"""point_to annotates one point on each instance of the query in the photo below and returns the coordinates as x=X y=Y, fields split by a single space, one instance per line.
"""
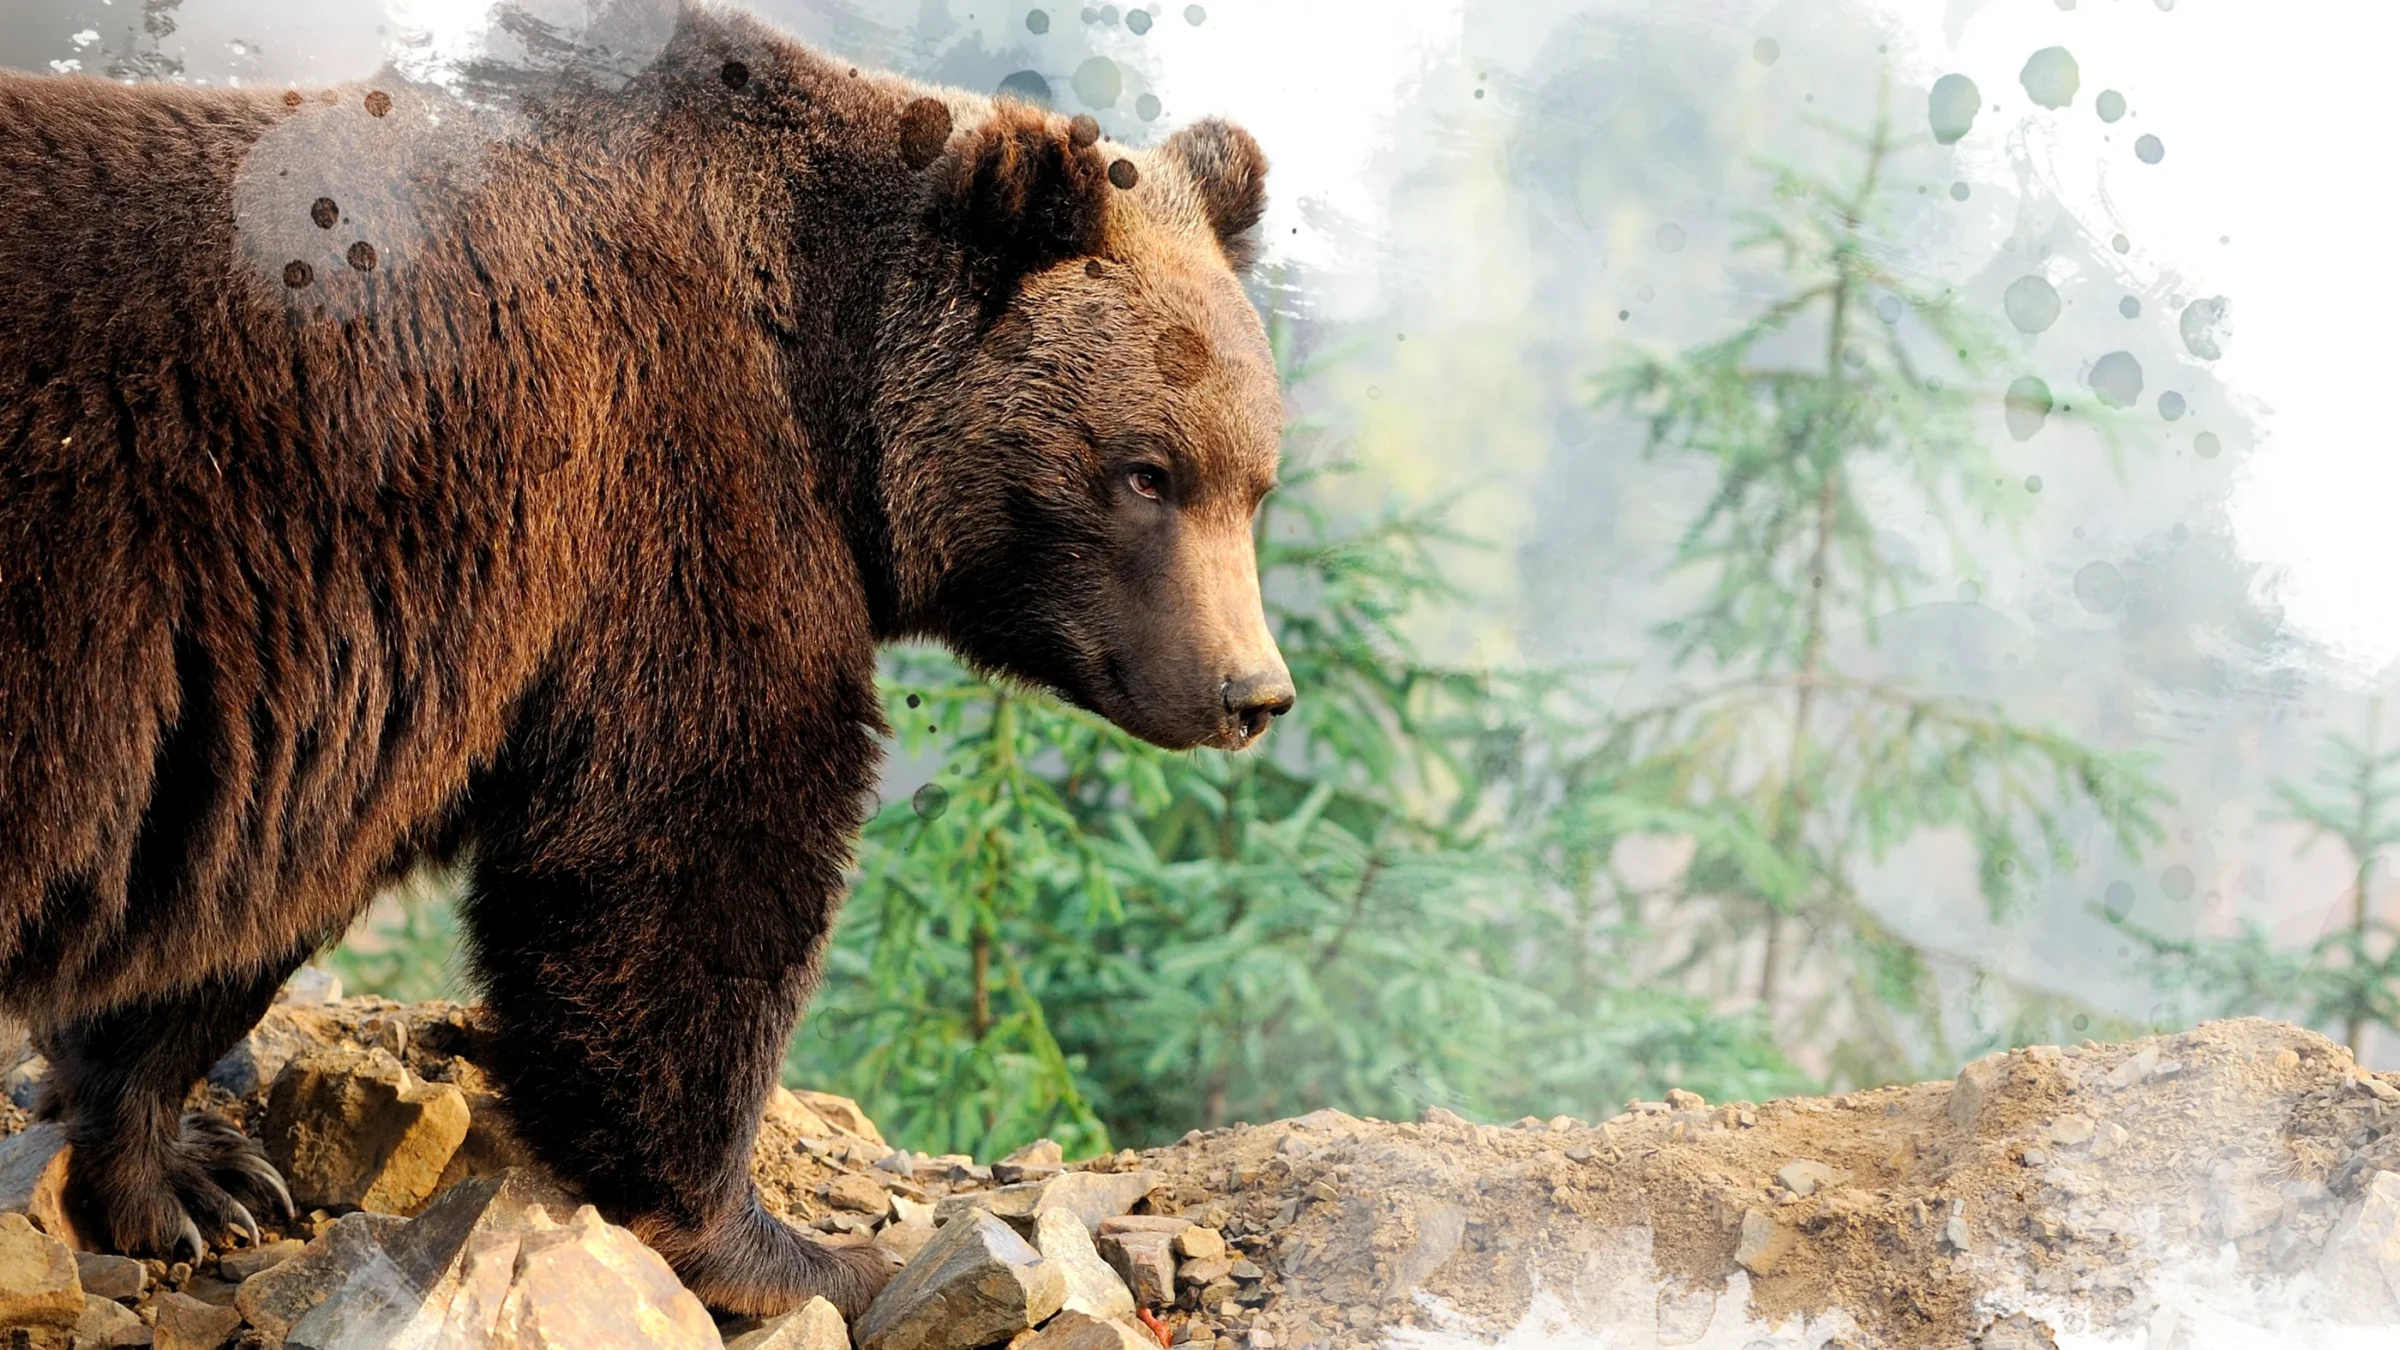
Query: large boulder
x=977 y=1282
x=354 y=1129
x=38 y=1284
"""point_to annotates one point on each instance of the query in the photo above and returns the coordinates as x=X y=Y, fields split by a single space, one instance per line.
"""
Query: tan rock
x=111 y=1276
x=1169 y=1224
x=814 y=1325
x=260 y=1056
x=1199 y=1244
x=1763 y=1243
x=356 y=1129
x=1804 y=1176
x=405 y=1290
x=186 y=1323
x=107 y=1324
x=786 y=1111
x=1037 y=1161
x=272 y=1300
x=1076 y=1331
x=1012 y=1204
x=843 y=1115
x=589 y=1283
x=858 y=1195
x=1204 y=1271
x=1145 y=1262
x=1975 y=1085
x=1097 y=1196
x=2361 y=1264
x=38 y=1284
x=1092 y=1288
x=911 y=1228
x=33 y=1180
x=241 y=1265
x=977 y=1282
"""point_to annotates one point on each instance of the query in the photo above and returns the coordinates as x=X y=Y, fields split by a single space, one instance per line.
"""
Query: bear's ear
x=1020 y=193
x=1230 y=172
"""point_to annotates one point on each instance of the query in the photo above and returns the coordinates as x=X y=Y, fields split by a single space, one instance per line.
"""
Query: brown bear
x=528 y=483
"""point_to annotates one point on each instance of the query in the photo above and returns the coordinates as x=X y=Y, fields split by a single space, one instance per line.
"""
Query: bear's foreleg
x=158 y=1180
x=641 y=1022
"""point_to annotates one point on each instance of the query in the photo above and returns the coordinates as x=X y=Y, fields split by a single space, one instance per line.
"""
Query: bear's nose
x=1257 y=699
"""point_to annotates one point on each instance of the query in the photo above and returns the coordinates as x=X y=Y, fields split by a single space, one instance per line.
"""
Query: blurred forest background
x=1755 y=558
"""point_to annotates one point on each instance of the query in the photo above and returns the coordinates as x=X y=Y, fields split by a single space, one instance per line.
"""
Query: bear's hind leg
x=159 y=1180
x=636 y=1067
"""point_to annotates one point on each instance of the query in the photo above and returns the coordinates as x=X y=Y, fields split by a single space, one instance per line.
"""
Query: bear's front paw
x=756 y=1265
x=205 y=1185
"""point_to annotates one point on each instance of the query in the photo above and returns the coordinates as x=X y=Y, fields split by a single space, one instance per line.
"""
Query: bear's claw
x=199 y=1188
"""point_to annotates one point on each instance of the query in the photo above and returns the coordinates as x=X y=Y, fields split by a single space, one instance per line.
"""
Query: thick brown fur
x=380 y=482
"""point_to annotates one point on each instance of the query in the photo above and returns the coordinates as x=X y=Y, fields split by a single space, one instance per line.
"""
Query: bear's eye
x=1148 y=482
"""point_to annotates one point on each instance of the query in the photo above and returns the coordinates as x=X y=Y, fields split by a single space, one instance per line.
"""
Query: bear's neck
x=827 y=223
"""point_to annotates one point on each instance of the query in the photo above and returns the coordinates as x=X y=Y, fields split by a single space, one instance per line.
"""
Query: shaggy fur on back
x=381 y=482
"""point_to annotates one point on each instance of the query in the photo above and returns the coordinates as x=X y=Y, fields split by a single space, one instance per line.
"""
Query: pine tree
x=1848 y=400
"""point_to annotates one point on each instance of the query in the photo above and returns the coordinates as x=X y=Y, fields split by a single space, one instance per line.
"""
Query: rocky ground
x=2238 y=1184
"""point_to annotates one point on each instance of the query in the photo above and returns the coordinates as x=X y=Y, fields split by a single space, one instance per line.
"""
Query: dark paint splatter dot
x=2033 y=482
x=1182 y=355
x=1027 y=86
x=2050 y=77
x=362 y=256
x=1138 y=20
x=924 y=130
x=930 y=801
x=1624 y=314
x=1950 y=108
x=1959 y=192
x=734 y=74
x=916 y=700
x=2170 y=405
x=2032 y=304
x=2026 y=406
x=297 y=274
x=2202 y=325
x=1083 y=131
x=2130 y=307
x=378 y=103
x=1123 y=174
x=1036 y=21
x=2101 y=588
x=2117 y=379
x=291 y=98
x=324 y=212
x=1098 y=82
x=2149 y=149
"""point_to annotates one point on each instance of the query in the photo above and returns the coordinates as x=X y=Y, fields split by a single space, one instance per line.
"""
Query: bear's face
x=1108 y=439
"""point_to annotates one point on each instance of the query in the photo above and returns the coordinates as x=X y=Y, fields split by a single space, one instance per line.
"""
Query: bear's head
x=1074 y=470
